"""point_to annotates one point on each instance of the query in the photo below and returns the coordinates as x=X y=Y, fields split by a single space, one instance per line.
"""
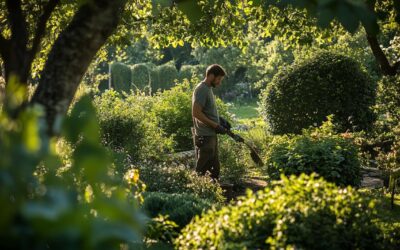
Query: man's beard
x=213 y=84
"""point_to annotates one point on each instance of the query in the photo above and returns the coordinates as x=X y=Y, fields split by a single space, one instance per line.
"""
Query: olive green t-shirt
x=204 y=96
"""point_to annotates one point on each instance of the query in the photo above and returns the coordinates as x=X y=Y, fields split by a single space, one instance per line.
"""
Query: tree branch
x=4 y=46
x=380 y=56
x=17 y=22
x=41 y=26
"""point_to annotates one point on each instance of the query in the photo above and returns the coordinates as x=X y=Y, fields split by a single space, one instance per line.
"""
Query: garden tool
x=253 y=153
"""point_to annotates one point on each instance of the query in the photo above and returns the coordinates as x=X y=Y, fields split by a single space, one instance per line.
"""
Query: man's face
x=216 y=81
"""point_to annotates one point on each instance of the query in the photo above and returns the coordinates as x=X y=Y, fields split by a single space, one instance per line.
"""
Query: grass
x=245 y=110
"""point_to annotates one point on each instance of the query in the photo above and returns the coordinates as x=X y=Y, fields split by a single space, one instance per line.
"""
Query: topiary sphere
x=304 y=94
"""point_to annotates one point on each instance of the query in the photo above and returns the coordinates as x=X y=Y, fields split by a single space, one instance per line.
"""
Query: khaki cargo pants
x=207 y=155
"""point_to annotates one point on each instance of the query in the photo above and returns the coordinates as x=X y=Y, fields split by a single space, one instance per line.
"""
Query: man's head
x=215 y=74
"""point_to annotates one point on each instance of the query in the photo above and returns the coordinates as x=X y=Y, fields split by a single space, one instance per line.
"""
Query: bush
x=127 y=125
x=140 y=77
x=179 y=179
x=234 y=159
x=331 y=156
x=192 y=71
x=180 y=208
x=120 y=77
x=296 y=213
x=173 y=110
x=86 y=207
x=305 y=93
x=163 y=77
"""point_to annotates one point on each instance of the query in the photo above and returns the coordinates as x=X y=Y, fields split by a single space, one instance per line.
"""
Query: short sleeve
x=200 y=96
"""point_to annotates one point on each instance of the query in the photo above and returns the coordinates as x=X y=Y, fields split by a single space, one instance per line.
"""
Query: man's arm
x=197 y=112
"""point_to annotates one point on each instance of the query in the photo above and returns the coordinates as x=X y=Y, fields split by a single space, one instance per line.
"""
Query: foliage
x=141 y=77
x=173 y=109
x=297 y=212
x=162 y=229
x=327 y=84
x=388 y=99
x=127 y=125
x=316 y=151
x=234 y=159
x=192 y=71
x=180 y=208
x=87 y=207
x=121 y=77
x=164 y=77
x=179 y=179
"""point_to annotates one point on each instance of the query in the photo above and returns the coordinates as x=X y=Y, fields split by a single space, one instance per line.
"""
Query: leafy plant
x=84 y=207
x=180 y=208
x=297 y=212
x=315 y=151
x=179 y=179
x=121 y=77
x=327 y=84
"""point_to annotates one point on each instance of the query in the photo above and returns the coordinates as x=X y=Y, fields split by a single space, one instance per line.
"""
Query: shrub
x=140 y=77
x=331 y=156
x=179 y=179
x=163 y=77
x=173 y=110
x=127 y=125
x=84 y=208
x=305 y=93
x=234 y=159
x=180 y=208
x=296 y=213
x=121 y=77
x=192 y=71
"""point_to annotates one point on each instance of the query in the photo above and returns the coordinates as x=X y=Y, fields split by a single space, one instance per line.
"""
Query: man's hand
x=220 y=130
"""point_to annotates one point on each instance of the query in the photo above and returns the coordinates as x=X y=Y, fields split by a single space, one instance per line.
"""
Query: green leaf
x=191 y=9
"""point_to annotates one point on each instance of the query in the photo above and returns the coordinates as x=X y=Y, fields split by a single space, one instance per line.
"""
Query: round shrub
x=120 y=77
x=140 y=76
x=332 y=157
x=180 y=208
x=296 y=213
x=179 y=179
x=305 y=93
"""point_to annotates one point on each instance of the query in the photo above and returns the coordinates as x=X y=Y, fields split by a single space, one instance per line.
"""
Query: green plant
x=179 y=179
x=86 y=206
x=173 y=110
x=127 y=125
x=164 y=77
x=180 y=208
x=295 y=213
x=316 y=151
x=140 y=77
x=234 y=159
x=161 y=228
x=305 y=93
x=121 y=77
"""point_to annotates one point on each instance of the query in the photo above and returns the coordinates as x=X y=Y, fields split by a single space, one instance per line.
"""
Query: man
x=206 y=122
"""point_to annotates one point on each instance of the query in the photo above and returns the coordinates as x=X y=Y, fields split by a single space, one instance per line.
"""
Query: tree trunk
x=72 y=53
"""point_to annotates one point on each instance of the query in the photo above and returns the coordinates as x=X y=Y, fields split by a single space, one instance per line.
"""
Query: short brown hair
x=216 y=70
